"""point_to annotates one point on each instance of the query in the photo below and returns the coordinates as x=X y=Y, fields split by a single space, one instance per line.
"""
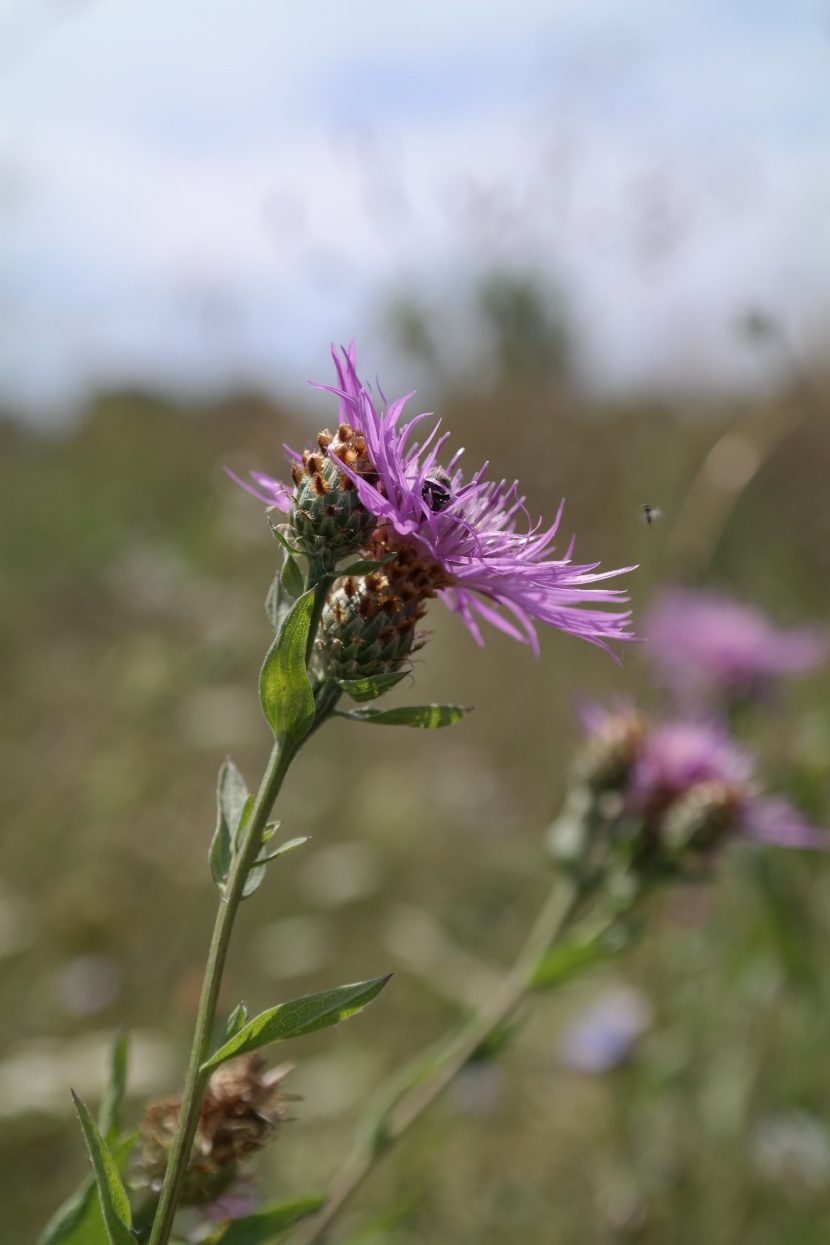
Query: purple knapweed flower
x=707 y=644
x=694 y=768
x=474 y=539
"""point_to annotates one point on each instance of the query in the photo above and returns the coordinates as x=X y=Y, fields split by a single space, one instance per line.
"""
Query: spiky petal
x=497 y=564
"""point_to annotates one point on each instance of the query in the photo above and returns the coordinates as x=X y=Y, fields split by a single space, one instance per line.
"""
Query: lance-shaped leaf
x=282 y=850
x=274 y=515
x=372 y=687
x=299 y=1016
x=236 y=1021
x=109 y=1117
x=231 y=800
x=257 y=871
x=427 y=716
x=112 y=1195
x=277 y=604
x=291 y=578
x=263 y=1226
x=364 y=566
x=284 y=689
x=572 y=959
x=78 y=1221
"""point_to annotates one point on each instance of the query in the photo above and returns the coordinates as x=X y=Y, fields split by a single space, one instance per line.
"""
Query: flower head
x=707 y=644
x=688 y=785
x=473 y=540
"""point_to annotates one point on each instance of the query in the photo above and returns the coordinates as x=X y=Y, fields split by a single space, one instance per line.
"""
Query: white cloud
x=211 y=190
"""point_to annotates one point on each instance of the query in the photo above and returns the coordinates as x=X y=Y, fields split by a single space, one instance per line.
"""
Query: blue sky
x=197 y=193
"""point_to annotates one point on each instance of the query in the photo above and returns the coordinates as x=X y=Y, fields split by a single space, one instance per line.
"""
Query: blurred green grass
x=133 y=574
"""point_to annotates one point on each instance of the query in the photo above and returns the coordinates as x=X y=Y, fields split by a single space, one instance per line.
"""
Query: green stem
x=432 y=1075
x=196 y=1082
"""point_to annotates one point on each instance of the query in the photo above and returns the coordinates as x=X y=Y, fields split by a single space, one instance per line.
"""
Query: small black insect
x=436 y=490
x=650 y=513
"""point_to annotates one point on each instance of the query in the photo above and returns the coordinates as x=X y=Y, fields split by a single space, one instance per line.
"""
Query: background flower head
x=707 y=644
x=684 y=782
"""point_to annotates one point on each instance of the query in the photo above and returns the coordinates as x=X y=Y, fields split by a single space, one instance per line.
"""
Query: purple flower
x=605 y=1034
x=693 y=760
x=238 y=1200
x=482 y=555
x=706 y=644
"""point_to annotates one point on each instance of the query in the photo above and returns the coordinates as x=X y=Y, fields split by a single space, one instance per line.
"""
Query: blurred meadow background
x=597 y=239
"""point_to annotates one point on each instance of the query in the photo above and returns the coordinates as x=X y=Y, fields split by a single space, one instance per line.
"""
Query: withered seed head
x=243 y=1107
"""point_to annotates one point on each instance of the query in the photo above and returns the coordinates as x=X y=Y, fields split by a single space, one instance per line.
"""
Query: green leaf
x=264 y=1225
x=257 y=871
x=276 y=533
x=277 y=604
x=284 y=689
x=372 y=687
x=79 y=1220
x=282 y=849
x=299 y=1016
x=236 y=1021
x=572 y=959
x=231 y=802
x=364 y=567
x=109 y=1116
x=292 y=578
x=255 y=878
x=112 y=1195
x=428 y=716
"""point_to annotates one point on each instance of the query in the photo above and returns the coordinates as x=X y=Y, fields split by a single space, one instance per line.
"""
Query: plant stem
x=435 y=1073
x=281 y=756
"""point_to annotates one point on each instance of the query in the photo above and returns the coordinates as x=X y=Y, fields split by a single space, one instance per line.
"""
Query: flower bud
x=607 y=754
x=701 y=818
x=326 y=517
x=369 y=621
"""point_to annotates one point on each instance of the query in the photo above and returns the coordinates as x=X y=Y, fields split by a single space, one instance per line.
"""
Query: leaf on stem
x=109 y=1121
x=291 y=578
x=572 y=959
x=426 y=716
x=236 y=1021
x=112 y=1195
x=288 y=846
x=284 y=689
x=231 y=801
x=364 y=566
x=79 y=1220
x=298 y=1017
x=372 y=687
x=256 y=874
x=264 y=1225
x=277 y=604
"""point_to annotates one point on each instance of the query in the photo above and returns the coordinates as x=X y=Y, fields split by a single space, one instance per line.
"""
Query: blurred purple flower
x=604 y=1036
x=679 y=758
x=465 y=533
x=677 y=755
x=704 y=644
x=238 y=1200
